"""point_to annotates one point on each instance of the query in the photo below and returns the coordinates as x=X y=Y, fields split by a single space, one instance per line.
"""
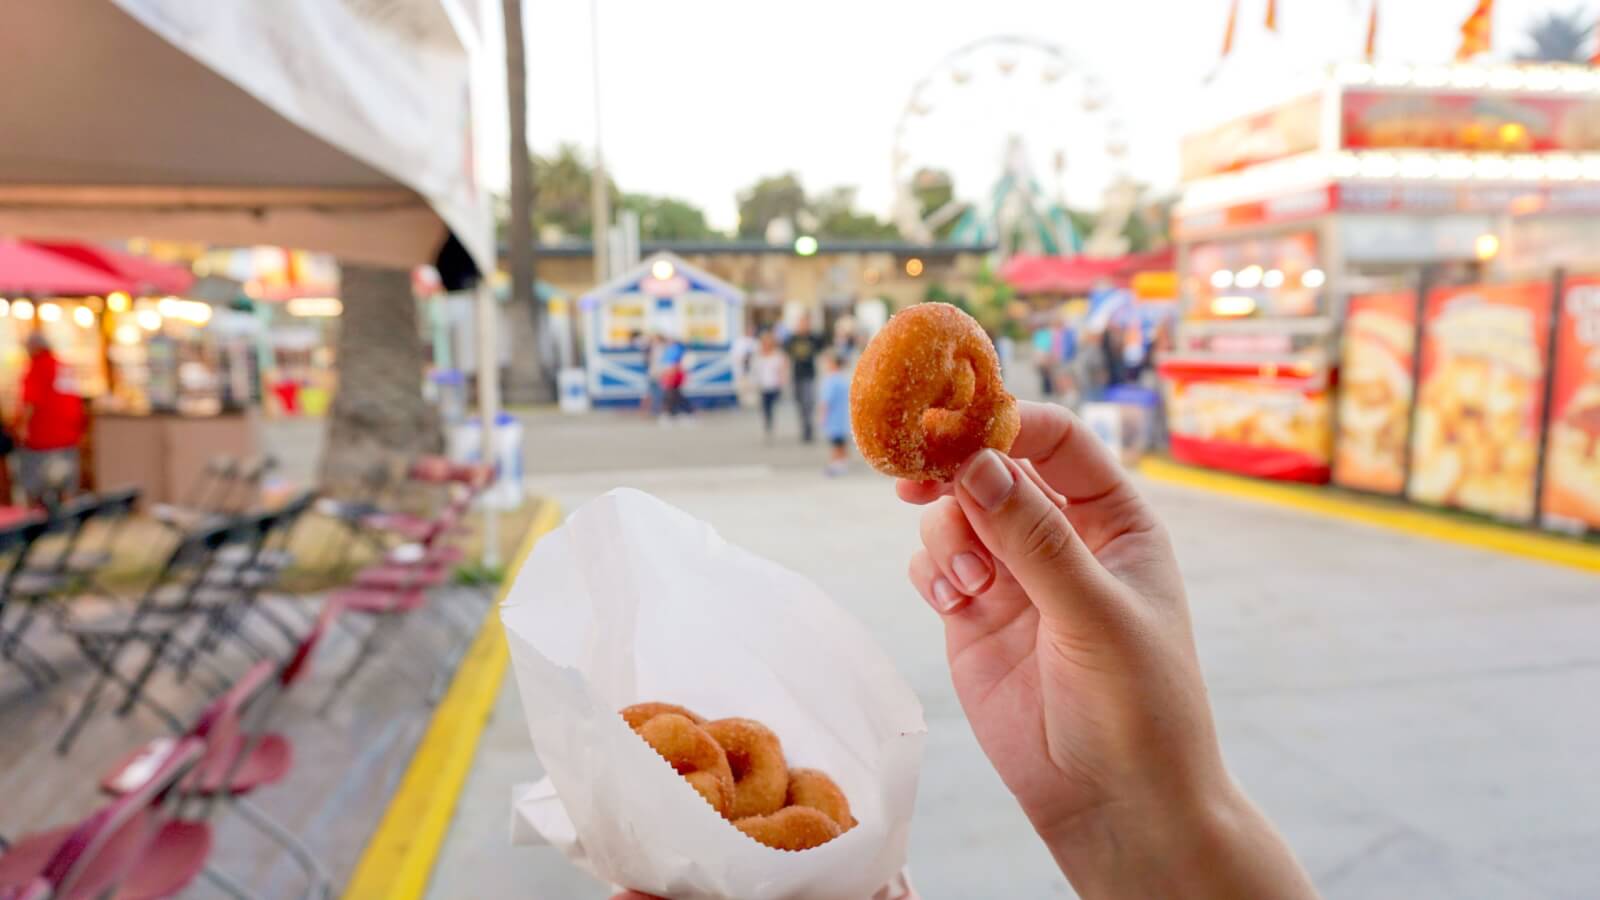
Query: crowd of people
x=798 y=359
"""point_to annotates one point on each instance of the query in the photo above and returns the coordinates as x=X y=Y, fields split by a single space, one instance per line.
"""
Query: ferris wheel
x=1025 y=131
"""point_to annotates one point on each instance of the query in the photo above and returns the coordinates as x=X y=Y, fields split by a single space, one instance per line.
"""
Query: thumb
x=1027 y=531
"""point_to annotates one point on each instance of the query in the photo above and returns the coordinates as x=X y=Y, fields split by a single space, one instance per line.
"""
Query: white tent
x=342 y=127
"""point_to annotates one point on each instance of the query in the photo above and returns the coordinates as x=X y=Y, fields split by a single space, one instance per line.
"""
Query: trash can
x=450 y=392
x=465 y=444
x=572 y=386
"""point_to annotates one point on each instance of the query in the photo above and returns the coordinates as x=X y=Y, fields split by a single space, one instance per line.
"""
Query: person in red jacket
x=49 y=427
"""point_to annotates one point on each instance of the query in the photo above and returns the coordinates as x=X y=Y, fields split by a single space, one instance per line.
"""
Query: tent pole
x=488 y=406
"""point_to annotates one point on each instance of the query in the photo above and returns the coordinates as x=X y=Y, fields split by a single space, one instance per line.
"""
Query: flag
x=1475 y=32
x=1233 y=21
x=1372 y=32
x=1272 y=15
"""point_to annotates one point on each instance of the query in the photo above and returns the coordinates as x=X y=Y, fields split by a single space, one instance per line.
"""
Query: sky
x=700 y=98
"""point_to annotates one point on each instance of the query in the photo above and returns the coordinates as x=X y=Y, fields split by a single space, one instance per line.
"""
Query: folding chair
x=175 y=597
x=17 y=538
x=201 y=502
x=242 y=756
x=112 y=513
x=387 y=593
x=131 y=848
x=41 y=576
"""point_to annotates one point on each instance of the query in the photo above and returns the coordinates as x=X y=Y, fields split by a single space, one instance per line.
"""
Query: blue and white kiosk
x=662 y=295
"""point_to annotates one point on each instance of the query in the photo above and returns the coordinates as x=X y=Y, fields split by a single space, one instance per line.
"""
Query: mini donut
x=790 y=828
x=640 y=713
x=814 y=789
x=927 y=394
x=760 y=775
x=694 y=754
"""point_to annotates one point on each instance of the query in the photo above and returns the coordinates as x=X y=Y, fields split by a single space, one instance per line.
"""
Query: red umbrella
x=142 y=274
x=26 y=269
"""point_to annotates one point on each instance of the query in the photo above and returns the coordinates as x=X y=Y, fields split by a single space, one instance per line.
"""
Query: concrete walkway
x=1416 y=716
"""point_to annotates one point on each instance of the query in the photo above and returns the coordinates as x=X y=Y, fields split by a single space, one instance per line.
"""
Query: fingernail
x=945 y=597
x=988 y=480
x=971 y=570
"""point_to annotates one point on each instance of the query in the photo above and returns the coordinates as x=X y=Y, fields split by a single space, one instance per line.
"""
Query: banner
x=1375 y=390
x=1479 y=403
x=1292 y=128
x=386 y=81
x=1572 y=449
x=1239 y=419
x=1468 y=122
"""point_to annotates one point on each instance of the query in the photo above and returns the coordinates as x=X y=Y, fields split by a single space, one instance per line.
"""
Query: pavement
x=1416 y=716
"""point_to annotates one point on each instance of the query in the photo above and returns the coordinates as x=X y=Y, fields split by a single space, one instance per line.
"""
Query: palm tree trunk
x=379 y=412
x=528 y=372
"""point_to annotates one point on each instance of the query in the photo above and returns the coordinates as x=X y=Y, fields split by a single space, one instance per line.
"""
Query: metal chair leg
x=368 y=647
x=321 y=883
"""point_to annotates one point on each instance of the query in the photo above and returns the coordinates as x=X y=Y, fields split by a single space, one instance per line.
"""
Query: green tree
x=1560 y=37
x=668 y=218
x=769 y=199
x=562 y=199
x=838 y=219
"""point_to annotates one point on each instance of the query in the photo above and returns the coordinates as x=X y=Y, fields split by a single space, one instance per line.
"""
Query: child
x=835 y=413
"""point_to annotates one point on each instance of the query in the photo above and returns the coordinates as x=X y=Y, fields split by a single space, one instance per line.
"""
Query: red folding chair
x=131 y=849
x=241 y=756
x=37 y=889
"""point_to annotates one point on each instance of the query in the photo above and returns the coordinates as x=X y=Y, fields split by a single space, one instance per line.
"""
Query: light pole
x=599 y=199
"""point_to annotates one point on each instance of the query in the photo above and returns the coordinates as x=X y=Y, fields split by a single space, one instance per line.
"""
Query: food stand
x=664 y=296
x=1299 y=225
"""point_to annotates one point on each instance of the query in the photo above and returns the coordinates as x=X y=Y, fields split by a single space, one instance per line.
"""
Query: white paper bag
x=633 y=600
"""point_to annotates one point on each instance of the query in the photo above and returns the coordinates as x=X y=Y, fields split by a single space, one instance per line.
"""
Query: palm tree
x=379 y=412
x=1560 y=37
x=527 y=373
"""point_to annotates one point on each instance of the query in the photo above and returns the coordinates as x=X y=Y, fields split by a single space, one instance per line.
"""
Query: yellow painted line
x=399 y=857
x=1382 y=514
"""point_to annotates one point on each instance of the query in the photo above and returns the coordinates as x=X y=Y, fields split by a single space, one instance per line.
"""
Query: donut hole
x=945 y=415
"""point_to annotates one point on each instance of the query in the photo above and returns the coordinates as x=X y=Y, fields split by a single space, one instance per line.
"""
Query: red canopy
x=141 y=275
x=1078 y=274
x=1057 y=274
x=28 y=269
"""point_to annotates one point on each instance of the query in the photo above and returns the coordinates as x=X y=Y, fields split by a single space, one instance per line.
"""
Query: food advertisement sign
x=1286 y=130
x=1375 y=389
x=1269 y=427
x=1479 y=403
x=1572 y=449
x=1469 y=122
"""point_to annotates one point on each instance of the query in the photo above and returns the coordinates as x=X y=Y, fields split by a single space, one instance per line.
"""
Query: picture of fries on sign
x=1476 y=443
x=1572 y=454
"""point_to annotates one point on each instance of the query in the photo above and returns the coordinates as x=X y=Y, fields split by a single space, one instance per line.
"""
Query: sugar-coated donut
x=809 y=787
x=927 y=393
x=694 y=754
x=760 y=775
x=790 y=828
x=640 y=713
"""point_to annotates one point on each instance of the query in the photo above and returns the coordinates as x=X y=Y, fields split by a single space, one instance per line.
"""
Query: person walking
x=654 y=401
x=771 y=371
x=835 y=414
x=803 y=346
x=742 y=352
x=49 y=426
x=674 y=373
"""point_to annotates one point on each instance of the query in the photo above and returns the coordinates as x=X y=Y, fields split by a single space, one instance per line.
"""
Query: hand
x=1071 y=649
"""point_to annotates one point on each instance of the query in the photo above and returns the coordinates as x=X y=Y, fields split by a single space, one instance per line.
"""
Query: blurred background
x=313 y=316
